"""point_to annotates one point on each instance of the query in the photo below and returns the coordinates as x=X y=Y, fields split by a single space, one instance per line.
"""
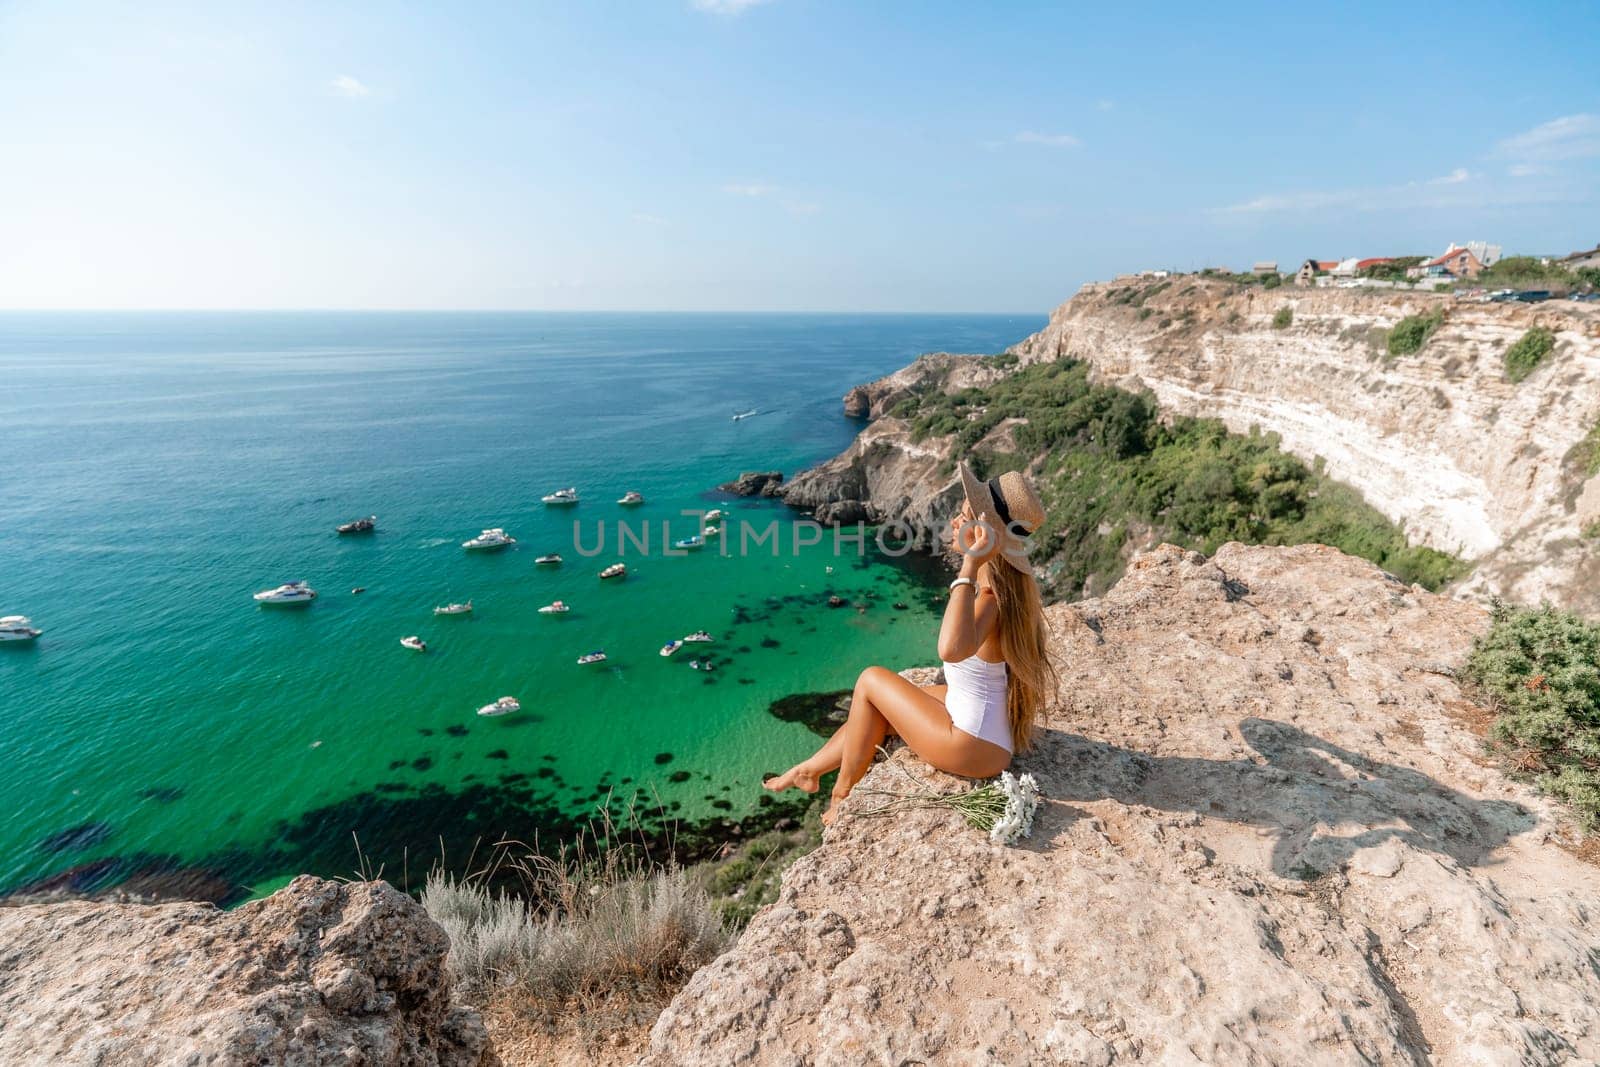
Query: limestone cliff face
x=1269 y=838
x=1439 y=441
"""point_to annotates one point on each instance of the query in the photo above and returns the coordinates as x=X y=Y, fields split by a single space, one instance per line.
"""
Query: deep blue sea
x=162 y=467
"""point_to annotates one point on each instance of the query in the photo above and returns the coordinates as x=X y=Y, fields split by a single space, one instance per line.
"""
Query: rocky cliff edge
x=1270 y=838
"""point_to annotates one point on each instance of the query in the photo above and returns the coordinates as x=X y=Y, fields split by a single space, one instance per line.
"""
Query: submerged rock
x=319 y=972
x=754 y=483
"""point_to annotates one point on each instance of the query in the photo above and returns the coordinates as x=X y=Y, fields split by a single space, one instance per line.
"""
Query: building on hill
x=1307 y=274
x=1265 y=266
x=1345 y=268
x=1455 y=263
x=1590 y=258
x=1373 y=262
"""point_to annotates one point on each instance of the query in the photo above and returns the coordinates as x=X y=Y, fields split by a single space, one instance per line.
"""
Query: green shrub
x=1539 y=669
x=1586 y=452
x=1111 y=465
x=1412 y=332
x=1392 y=271
x=1283 y=318
x=1528 y=353
x=1271 y=281
x=1524 y=272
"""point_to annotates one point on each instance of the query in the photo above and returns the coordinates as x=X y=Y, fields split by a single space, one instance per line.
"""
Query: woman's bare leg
x=806 y=775
x=884 y=702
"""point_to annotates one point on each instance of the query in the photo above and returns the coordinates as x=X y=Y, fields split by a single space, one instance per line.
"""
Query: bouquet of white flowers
x=1004 y=809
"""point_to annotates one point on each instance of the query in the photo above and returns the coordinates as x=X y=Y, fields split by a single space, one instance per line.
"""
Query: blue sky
x=786 y=154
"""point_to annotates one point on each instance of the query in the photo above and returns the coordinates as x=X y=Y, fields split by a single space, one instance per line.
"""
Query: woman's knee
x=872 y=677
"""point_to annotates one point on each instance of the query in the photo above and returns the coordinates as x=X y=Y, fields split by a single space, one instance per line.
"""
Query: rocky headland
x=1270 y=838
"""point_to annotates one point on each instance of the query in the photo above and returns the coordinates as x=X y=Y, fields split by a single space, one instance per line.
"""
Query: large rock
x=755 y=483
x=319 y=972
x=1269 y=838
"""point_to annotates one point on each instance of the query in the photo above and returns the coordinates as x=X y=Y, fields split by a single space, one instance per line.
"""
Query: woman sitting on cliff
x=993 y=644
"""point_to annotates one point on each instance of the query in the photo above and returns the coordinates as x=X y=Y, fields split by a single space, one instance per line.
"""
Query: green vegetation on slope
x=1113 y=469
x=1392 y=271
x=1412 y=332
x=1525 y=272
x=1539 y=669
x=1528 y=353
x=1283 y=319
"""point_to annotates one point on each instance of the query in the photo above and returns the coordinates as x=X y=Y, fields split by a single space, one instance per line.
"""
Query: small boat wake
x=752 y=413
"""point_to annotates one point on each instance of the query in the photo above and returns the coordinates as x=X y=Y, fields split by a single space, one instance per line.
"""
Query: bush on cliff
x=1524 y=272
x=1283 y=319
x=1539 y=670
x=1112 y=469
x=1525 y=356
x=1412 y=332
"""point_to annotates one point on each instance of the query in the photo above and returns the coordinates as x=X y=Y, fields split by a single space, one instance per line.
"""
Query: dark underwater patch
x=76 y=838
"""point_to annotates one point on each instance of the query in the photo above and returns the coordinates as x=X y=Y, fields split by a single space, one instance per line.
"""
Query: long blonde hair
x=1025 y=643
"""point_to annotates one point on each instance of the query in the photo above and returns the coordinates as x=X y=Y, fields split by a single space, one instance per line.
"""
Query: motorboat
x=552 y=560
x=630 y=498
x=18 y=628
x=366 y=525
x=694 y=664
x=597 y=656
x=702 y=664
x=287 y=593
x=414 y=643
x=616 y=570
x=712 y=531
x=556 y=607
x=746 y=414
x=503 y=706
x=358 y=590
x=699 y=635
x=670 y=647
x=690 y=542
x=561 y=497
x=454 y=609
x=494 y=537
x=714 y=515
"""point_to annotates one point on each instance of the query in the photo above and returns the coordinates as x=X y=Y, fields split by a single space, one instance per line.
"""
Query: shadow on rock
x=1322 y=802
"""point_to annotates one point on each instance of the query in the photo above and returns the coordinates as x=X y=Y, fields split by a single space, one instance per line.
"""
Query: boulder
x=754 y=483
x=319 y=972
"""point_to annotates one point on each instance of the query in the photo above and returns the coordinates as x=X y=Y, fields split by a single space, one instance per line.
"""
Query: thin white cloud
x=749 y=189
x=353 y=88
x=1054 y=140
x=1105 y=105
x=801 y=207
x=1524 y=170
x=1429 y=193
x=1568 y=137
x=648 y=219
x=724 y=7
x=1455 y=177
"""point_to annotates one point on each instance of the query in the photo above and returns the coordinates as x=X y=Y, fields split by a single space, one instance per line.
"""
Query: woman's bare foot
x=833 y=809
x=796 y=777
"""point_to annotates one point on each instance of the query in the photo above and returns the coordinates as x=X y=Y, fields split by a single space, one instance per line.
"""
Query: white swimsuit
x=976 y=700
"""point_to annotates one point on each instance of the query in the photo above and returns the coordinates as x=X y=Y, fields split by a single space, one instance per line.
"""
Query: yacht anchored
x=414 y=643
x=690 y=542
x=561 y=497
x=714 y=515
x=17 y=628
x=489 y=539
x=366 y=525
x=699 y=635
x=597 y=656
x=552 y=560
x=630 y=498
x=712 y=531
x=616 y=570
x=670 y=647
x=503 y=706
x=556 y=607
x=287 y=593
x=454 y=609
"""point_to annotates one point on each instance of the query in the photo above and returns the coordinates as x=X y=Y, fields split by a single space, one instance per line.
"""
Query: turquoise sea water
x=162 y=467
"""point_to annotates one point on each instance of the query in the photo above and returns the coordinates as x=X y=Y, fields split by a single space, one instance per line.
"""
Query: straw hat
x=1010 y=507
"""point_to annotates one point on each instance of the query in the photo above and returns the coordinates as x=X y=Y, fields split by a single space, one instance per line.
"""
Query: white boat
x=18 y=628
x=746 y=414
x=597 y=656
x=287 y=593
x=556 y=607
x=714 y=515
x=616 y=570
x=561 y=497
x=454 y=609
x=630 y=498
x=670 y=647
x=552 y=560
x=494 y=537
x=414 y=643
x=712 y=531
x=699 y=635
x=690 y=542
x=503 y=706
x=366 y=525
